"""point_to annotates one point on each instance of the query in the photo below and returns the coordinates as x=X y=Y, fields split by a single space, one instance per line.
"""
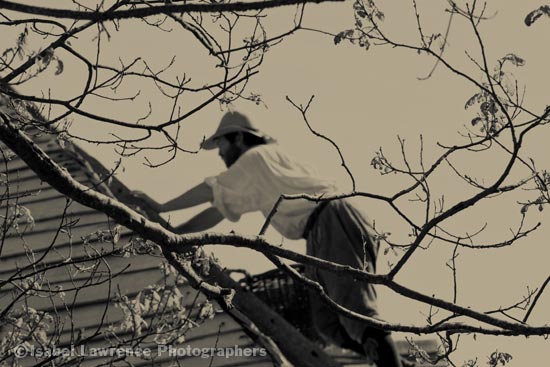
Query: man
x=258 y=173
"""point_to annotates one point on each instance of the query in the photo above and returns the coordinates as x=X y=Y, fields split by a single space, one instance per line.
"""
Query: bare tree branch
x=140 y=12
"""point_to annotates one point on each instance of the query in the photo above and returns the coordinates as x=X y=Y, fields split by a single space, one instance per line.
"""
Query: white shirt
x=258 y=178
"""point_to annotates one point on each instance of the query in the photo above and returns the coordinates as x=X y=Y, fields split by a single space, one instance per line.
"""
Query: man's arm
x=200 y=194
x=206 y=219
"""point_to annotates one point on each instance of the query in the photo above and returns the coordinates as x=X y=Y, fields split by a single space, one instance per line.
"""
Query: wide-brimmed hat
x=233 y=122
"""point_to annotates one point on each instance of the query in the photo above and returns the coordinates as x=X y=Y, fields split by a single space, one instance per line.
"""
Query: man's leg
x=379 y=347
x=344 y=235
x=324 y=321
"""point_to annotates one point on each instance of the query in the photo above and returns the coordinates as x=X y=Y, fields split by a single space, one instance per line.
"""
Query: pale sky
x=364 y=99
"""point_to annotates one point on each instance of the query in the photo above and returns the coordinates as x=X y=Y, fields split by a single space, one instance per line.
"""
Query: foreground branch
x=100 y=16
x=58 y=178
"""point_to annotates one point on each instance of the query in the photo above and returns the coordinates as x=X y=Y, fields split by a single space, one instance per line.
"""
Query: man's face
x=228 y=151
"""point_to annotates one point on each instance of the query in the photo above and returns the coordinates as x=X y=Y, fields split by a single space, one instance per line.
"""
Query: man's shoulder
x=263 y=151
x=262 y=156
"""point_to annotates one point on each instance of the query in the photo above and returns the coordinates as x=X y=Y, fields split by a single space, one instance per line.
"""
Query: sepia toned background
x=364 y=100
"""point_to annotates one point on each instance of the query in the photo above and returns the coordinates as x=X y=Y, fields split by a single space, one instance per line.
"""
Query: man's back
x=256 y=181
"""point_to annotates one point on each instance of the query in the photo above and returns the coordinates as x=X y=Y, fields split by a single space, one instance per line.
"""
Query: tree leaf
x=338 y=38
x=476 y=121
x=59 y=67
x=533 y=16
x=476 y=98
x=514 y=59
x=343 y=35
x=22 y=38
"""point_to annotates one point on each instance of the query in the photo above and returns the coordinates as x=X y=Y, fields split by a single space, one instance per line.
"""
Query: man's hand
x=144 y=199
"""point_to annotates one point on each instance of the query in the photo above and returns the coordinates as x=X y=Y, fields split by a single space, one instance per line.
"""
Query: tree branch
x=170 y=242
x=101 y=16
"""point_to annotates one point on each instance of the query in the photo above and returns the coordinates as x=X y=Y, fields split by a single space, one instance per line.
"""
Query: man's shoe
x=408 y=363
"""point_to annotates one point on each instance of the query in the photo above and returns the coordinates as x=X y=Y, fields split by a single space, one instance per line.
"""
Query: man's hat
x=234 y=122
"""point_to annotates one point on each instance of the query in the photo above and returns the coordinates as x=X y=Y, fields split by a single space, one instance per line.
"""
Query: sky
x=363 y=100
